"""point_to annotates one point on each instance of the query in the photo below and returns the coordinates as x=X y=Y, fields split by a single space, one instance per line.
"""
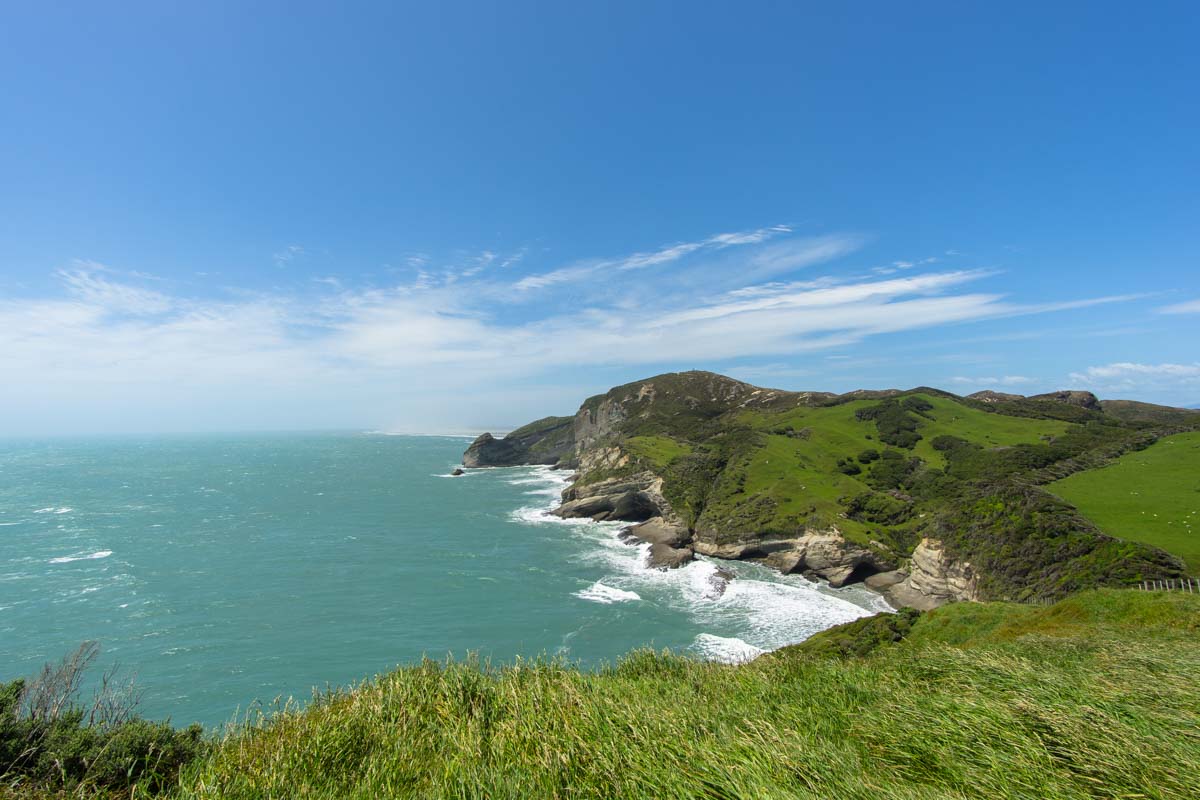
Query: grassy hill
x=1150 y=496
x=1092 y=697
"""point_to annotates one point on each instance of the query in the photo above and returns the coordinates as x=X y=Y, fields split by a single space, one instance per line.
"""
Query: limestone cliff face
x=934 y=579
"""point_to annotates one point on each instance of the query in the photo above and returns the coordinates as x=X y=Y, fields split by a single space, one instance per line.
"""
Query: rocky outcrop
x=882 y=581
x=818 y=554
x=670 y=543
x=636 y=498
x=1071 y=397
x=933 y=579
x=988 y=396
x=659 y=531
x=663 y=556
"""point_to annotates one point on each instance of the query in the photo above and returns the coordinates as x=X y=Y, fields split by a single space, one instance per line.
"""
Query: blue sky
x=455 y=216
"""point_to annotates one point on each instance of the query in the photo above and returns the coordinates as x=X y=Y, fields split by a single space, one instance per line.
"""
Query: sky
x=433 y=217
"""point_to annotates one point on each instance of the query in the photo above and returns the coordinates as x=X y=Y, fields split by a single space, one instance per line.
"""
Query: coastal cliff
x=878 y=487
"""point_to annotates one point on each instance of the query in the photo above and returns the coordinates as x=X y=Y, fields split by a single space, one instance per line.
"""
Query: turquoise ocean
x=228 y=571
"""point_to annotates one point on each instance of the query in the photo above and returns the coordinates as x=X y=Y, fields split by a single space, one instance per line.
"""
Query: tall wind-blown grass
x=1097 y=696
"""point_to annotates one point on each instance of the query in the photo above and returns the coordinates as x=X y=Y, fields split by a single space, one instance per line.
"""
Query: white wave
x=68 y=559
x=758 y=610
x=726 y=649
x=541 y=515
x=7 y=524
x=602 y=593
x=54 y=510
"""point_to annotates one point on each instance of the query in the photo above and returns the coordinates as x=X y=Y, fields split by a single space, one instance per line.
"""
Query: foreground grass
x=1093 y=697
x=1151 y=496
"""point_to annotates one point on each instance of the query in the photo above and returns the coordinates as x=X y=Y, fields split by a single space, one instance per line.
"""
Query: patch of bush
x=879 y=508
x=947 y=443
x=847 y=466
x=897 y=420
x=1027 y=544
x=893 y=470
x=50 y=742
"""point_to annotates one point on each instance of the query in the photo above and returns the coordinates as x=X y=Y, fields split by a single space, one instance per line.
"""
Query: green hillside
x=780 y=466
x=808 y=460
x=1150 y=496
x=887 y=469
x=1093 y=697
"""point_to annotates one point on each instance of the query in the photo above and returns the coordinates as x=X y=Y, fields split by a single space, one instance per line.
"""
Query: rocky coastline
x=929 y=578
x=699 y=464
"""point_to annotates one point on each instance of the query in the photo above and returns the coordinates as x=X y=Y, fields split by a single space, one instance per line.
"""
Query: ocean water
x=233 y=570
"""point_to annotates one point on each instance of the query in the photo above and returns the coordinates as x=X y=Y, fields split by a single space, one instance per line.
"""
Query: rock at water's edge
x=657 y=530
x=664 y=556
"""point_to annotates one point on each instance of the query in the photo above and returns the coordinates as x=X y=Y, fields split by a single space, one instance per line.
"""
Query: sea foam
x=762 y=609
x=726 y=649
x=602 y=593
x=68 y=559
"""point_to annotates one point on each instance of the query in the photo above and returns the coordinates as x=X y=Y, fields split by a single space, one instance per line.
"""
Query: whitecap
x=725 y=649
x=54 y=510
x=602 y=593
x=68 y=559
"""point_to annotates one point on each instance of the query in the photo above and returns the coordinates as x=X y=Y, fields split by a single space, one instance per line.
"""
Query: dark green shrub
x=49 y=742
x=879 y=508
x=892 y=471
x=896 y=420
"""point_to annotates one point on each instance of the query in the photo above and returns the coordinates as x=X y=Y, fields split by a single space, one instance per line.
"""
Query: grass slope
x=1151 y=496
x=1092 y=697
x=795 y=461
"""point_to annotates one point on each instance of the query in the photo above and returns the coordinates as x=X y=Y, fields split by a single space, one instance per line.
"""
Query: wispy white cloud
x=1166 y=382
x=820 y=249
x=425 y=331
x=1126 y=369
x=86 y=282
x=1188 y=307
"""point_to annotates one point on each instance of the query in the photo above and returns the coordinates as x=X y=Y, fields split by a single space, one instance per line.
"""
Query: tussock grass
x=1095 y=697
